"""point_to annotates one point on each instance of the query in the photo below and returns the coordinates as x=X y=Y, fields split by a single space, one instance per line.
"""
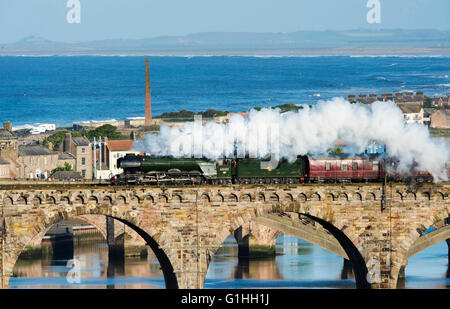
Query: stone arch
x=358 y=263
x=44 y=223
x=410 y=196
x=315 y=196
x=107 y=200
x=261 y=197
x=93 y=199
x=398 y=195
x=428 y=240
x=65 y=200
x=370 y=196
x=424 y=196
x=37 y=200
x=122 y=199
x=288 y=197
x=205 y=198
x=8 y=201
x=163 y=199
x=219 y=198
x=245 y=198
x=79 y=200
x=439 y=196
x=176 y=198
x=22 y=200
x=343 y=196
x=149 y=198
x=302 y=197
x=233 y=198
x=135 y=199
x=357 y=196
x=274 y=197
x=51 y=200
x=329 y=197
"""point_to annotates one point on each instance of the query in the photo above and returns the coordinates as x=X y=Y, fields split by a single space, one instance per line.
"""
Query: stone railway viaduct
x=376 y=227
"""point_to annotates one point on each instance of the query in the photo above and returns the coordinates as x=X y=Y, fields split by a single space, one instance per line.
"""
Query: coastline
x=263 y=53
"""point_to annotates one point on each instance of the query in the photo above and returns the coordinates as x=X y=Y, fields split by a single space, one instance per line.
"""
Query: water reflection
x=298 y=264
x=96 y=270
x=429 y=268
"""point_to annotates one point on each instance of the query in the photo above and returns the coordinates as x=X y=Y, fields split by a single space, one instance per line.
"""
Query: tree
x=57 y=138
x=336 y=150
x=66 y=168
x=428 y=103
x=107 y=130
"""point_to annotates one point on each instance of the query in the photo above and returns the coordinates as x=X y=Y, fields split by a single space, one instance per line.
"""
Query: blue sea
x=63 y=90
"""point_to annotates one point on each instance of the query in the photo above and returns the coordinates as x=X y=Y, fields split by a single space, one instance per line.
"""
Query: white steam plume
x=310 y=130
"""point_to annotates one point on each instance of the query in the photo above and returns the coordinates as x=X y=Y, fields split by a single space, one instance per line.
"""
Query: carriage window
x=344 y=166
x=327 y=166
x=375 y=165
x=355 y=165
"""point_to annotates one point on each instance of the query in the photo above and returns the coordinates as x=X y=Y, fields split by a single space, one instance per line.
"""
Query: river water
x=298 y=264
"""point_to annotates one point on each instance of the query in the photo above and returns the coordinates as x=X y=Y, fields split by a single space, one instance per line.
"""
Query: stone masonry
x=185 y=226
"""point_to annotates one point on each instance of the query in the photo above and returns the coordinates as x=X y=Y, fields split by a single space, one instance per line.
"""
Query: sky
x=136 y=19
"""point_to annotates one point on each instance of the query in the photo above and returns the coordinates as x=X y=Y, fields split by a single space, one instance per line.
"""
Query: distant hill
x=362 y=40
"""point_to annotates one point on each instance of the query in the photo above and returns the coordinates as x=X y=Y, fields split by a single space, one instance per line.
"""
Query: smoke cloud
x=311 y=130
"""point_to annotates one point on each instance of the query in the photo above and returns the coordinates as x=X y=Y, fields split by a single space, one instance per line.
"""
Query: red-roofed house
x=112 y=151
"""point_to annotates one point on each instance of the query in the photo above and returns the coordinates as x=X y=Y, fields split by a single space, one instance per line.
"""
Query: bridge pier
x=255 y=241
x=448 y=246
x=347 y=270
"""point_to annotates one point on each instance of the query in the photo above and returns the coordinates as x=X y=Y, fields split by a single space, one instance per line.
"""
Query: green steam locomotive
x=173 y=171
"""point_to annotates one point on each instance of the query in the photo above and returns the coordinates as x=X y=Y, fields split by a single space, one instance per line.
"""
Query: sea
x=66 y=89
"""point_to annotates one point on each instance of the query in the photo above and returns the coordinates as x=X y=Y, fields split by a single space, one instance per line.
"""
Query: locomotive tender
x=331 y=168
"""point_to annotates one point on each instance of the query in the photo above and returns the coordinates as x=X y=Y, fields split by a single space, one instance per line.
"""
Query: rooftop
x=5 y=134
x=63 y=175
x=34 y=150
x=410 y=109
x=120 y=145
x=80 y=141
x=65 y=156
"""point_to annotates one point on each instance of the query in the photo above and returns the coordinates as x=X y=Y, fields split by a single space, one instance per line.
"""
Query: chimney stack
x=68 y=143
x=7 y=126
x=148 y=101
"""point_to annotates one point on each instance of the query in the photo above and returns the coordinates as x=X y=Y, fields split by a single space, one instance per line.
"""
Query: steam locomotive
x=139 y=169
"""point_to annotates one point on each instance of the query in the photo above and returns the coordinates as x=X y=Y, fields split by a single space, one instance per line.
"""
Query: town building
x=9 y=148
x=399 y=98
x=80 y=148
x=111 y=151
x=37 y=161
x=442 y=102
x=4 y=169
x=412 y=114
x=65 y=157
x=440 y=119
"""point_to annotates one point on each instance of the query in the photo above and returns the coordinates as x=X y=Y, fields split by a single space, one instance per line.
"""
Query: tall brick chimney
x=67 y=147
x=148 y=101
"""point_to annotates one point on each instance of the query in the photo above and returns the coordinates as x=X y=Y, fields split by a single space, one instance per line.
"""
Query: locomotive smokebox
x=129 y=161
